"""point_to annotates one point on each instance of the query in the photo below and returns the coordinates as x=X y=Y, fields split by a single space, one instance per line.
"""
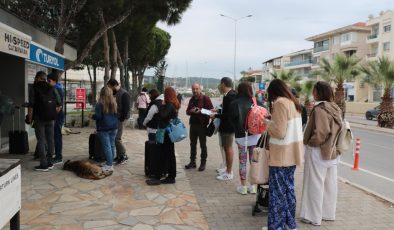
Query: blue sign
x=46 y=57
x=261 y=85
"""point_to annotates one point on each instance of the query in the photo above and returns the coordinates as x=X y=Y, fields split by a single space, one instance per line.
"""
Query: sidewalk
x=60 y=200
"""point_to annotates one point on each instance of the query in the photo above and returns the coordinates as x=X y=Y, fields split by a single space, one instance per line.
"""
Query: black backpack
x=46 y=104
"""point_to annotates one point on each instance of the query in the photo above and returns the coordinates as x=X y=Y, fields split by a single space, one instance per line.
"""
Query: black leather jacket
x=239 y=110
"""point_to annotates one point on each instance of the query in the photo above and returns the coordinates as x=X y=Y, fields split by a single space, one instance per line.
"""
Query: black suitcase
x=261 y=204
x=154 y=161
x=18 y=139
x=96 y=151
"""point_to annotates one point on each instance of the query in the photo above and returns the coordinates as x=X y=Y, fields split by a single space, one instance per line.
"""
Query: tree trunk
x=134 y=84
x=126 y=65
x=340 y=98
x=106 y=57
x=94 y=88
x=121 y=69
x=91 y=85
x=96 y=37
x=114 y=54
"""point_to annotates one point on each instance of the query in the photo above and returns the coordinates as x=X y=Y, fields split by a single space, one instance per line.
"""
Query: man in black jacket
x=124 y=104
x=226 y=128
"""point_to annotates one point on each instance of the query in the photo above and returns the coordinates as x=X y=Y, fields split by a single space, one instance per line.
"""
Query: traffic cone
x=357 y=155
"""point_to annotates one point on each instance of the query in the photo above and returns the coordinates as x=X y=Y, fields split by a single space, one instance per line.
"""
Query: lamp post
x=235 y=20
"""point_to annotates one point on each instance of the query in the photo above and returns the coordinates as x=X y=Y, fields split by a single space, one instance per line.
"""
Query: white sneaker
x=107 y=168
x=221 y=170
x=242 y=190
x=225 y=176
x=252 y=189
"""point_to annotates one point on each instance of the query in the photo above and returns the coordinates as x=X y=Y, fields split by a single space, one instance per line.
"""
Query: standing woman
x=246 y=142
x=319 y=195
x=106 y=125
x=167 y=111
x=151 y=121
x=286 y=149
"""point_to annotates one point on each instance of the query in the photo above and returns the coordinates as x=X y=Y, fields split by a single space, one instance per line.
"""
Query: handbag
x=176 y=130
x=160 y=135
x=213 y=127
x=259 y=169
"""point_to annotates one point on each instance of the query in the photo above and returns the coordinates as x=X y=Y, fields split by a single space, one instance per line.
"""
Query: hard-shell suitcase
x=152 y=161
x=96 y=151
x=18 y=139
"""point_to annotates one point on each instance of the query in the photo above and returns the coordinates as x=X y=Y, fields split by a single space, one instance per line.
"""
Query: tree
x=160 y=72
x=93 y=61
x=381 y=73
x=288 y=76
x=343 y=68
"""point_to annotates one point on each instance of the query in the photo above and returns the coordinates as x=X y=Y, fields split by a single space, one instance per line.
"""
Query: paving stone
x=149 y=211
x=131 y=221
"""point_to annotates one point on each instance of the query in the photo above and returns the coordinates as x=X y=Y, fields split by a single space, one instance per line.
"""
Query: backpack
x=345 y=138
x=46 y=101
x=254 y=123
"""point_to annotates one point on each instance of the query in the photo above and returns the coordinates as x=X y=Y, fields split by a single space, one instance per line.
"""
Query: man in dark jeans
x=42 y=110
x=198 y=123
x=124 y=103
x=53 y=80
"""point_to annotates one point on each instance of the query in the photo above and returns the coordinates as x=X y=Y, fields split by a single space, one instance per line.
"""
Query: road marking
x=367 y=171
x=381 y=146
x=363 y=129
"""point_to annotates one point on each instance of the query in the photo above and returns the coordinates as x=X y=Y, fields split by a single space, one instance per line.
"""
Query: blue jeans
x=44 y=135
x=107 y=139
x=58 y=135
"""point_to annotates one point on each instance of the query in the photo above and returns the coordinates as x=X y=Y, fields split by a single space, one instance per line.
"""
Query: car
x=372 y=113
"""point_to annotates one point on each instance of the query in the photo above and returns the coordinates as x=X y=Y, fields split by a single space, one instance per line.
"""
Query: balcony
x=299 y=62
x=320 y=49
x=371 y=55
x=372 y=36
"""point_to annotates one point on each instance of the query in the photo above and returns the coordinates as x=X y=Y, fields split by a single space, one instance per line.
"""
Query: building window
x=346 y=37
x=335 y=40
x=386 y=46
x=387 y=28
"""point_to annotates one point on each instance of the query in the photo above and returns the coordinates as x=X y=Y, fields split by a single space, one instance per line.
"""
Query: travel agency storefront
x=20 y=60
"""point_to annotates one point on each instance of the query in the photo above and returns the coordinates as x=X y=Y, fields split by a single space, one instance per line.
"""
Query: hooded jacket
x=323 y=128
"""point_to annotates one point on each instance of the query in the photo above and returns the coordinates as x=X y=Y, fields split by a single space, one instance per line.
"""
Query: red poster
x=80 y=96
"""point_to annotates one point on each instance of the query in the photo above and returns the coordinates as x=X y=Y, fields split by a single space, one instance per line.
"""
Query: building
x=22 y=54
x=272 y=65
x=300 y=62
x=348 y=40
x=381 y=37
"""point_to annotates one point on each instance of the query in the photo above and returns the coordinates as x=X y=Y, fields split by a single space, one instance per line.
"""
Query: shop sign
x=14 y=42
x=45 y=57
x=80 y=96
x=10 y=195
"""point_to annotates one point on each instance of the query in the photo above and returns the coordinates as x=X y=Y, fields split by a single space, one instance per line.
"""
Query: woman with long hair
x=106 y=125
x=245 y=141
x=167 y=111
x=286 y=149
x=319 y=195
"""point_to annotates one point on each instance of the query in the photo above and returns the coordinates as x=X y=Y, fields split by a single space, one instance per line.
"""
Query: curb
x=372 y=128
x=368 y=191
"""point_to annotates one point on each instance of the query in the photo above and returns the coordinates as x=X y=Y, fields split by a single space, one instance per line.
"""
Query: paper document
x=206 y=112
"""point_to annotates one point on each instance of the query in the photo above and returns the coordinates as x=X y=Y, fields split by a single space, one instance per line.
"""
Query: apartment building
x=381 y=38
x=348 y=40
x=300 y=62
x=273 y=64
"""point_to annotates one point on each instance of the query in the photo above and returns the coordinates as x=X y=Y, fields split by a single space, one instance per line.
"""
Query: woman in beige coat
x=319 y=195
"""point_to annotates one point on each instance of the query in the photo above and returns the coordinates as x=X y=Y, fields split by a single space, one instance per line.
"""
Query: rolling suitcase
x=96 y=151
x=151 y=159
x=18 y=139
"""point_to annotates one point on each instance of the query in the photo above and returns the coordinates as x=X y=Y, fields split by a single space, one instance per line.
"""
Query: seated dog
x=85 y=169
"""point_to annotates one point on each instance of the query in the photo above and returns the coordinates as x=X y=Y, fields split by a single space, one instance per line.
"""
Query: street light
x=235 y=38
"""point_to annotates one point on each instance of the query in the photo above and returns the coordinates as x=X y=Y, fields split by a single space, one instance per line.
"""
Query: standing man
x=123 y=101
x=226 y=128
x=42 y=109
x=53 y=80
x=142 y=104
x=198 y=123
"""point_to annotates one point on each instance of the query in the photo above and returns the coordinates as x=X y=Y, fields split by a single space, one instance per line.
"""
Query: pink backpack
x=254 y=123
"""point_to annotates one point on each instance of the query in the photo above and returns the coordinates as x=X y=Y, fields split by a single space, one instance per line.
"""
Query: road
x=376 y=163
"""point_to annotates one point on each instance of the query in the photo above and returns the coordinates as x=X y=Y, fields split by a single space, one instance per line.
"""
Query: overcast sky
x=203 y=43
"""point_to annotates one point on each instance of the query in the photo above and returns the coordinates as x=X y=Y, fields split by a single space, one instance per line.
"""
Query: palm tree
x=381 y=73
x=343 y=68
x=288 y=76
x=307 y=91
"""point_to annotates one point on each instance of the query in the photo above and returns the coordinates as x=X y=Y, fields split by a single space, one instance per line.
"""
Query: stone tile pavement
x=60 y=200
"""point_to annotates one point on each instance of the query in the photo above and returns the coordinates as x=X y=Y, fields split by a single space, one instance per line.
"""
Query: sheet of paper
x=206 y=112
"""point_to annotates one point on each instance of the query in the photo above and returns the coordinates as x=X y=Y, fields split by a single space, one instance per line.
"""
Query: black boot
x=202 y=166
x=191 y=165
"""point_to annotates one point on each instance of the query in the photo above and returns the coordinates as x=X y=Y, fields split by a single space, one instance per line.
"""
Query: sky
x=202 y=44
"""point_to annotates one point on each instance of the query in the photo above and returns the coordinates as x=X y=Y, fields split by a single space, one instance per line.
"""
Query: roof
x=272 y=59
x=359 y=26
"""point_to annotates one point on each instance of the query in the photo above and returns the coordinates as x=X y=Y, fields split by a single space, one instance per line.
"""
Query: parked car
x=372 y=113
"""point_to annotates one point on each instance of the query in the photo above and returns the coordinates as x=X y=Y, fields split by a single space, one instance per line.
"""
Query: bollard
x=357 y=155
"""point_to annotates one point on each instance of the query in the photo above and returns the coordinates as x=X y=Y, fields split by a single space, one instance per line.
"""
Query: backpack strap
x=250 y=110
